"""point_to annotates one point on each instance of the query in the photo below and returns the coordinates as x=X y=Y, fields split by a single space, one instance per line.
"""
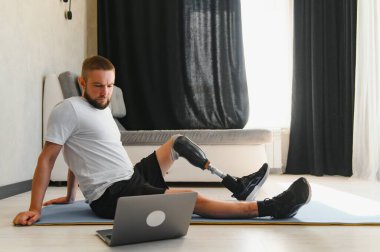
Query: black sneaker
x=287 y=204
x=252 y=183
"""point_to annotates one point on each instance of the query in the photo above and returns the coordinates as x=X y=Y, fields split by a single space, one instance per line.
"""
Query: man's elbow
x=45 y=162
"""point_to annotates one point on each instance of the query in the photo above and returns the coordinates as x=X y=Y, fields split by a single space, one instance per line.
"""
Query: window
x=268 y=41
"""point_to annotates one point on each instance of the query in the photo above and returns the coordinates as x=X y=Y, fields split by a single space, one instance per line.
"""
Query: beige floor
x=344 y=193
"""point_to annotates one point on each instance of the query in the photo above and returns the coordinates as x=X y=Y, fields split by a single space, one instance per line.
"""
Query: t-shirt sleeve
x=61 y=123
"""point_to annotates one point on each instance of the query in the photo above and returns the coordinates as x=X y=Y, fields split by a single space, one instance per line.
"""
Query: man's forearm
x=40 y=183
x=42 y=174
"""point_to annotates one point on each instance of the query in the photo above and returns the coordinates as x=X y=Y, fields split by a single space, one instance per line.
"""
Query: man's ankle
x=265 y=208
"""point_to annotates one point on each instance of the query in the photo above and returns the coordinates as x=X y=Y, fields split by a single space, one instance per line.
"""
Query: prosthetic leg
x=244 y=188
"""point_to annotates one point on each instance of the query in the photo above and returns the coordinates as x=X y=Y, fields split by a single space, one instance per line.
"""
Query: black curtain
x=323 y=87
x=179 y=62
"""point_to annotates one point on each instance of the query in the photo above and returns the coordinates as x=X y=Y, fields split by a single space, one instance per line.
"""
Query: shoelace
x=268 y=201
x=283 y=197
x=249 y=178
x=270 y=204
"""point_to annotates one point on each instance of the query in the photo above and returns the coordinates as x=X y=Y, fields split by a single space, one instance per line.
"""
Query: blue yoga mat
x=314 y=213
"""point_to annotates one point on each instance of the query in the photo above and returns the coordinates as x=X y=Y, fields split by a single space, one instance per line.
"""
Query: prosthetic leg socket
x=191 y=152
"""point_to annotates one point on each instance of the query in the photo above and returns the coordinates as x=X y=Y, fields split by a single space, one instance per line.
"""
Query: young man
x=99 y=164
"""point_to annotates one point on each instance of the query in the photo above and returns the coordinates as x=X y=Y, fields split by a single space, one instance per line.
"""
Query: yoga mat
x=314 y=213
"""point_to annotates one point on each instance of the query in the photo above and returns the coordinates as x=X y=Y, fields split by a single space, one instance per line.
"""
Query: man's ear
x=82 y=83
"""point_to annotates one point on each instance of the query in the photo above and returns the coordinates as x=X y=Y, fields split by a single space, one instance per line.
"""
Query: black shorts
x=146 y=179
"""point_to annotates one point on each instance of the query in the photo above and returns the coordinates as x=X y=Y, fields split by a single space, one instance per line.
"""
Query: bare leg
x=204 y=206
x=209 y=208
x=284 y=205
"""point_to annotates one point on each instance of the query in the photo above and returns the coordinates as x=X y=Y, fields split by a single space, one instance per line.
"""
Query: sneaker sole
x=252 y=195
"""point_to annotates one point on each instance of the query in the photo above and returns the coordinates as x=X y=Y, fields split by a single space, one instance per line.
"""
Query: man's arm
x=72 y=186
x=40 y=183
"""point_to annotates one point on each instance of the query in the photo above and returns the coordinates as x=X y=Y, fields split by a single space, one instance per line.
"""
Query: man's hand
x=60 y=200
x=26 y=218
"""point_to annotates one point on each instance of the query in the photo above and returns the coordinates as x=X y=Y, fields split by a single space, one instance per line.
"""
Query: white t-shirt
x=92 y=147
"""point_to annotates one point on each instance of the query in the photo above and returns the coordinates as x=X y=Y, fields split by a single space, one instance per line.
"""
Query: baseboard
x=276 y=171
x=58 y=183
x=14 y=189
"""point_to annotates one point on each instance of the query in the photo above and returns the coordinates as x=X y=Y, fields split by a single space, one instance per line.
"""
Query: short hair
x=96 y=63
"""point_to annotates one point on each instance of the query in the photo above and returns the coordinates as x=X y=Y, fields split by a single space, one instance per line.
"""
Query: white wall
x=35 y=39
x=92 y=27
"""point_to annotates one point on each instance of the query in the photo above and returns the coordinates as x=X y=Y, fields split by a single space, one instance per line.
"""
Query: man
x=99 y=164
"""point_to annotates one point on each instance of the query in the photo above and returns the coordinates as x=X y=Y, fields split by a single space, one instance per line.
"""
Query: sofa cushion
x=117 y=103
x=69 y=84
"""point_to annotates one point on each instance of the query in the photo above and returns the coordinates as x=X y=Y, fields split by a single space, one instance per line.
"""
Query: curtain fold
x=366 y=143
x=179 y=63
x=323 y=87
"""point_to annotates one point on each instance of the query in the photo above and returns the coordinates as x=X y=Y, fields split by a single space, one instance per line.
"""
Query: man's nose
x=104 y=91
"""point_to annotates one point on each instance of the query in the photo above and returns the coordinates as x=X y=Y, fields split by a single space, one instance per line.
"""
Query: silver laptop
x=150 y=218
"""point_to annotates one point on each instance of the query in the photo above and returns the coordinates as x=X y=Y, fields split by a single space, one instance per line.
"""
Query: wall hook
x=68 y=14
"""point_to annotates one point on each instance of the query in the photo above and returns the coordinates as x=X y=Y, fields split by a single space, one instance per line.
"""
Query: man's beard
x=94 y=103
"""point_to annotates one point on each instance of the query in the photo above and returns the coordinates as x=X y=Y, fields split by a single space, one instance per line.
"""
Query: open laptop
x=150 y=218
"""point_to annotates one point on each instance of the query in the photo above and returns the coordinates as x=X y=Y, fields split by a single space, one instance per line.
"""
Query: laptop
x=149 y=218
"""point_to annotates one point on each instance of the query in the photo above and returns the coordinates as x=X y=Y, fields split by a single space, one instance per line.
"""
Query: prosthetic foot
x=244 y=188
x=251 y=184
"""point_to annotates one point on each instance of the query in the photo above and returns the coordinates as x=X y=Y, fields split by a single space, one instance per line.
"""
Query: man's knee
x=175 y=155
